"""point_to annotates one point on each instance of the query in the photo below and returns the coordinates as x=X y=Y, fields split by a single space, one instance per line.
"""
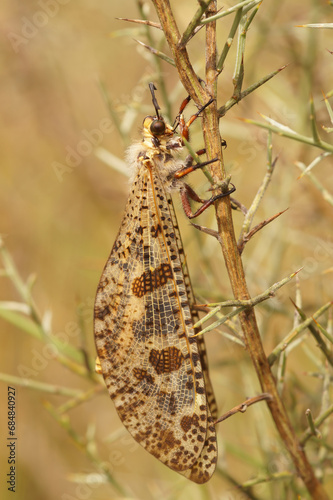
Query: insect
x=154 y=366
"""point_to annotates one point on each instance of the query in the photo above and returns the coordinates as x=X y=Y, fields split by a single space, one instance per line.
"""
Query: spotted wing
x=205 y=466
x=200 y=339
x=144 y=335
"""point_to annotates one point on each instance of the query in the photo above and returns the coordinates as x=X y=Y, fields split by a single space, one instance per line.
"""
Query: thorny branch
x=201 y=95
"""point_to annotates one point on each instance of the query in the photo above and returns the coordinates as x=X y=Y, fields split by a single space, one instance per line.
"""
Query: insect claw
x=221 y=185
x=187 y=193
x=222 y=195
x=205 y=106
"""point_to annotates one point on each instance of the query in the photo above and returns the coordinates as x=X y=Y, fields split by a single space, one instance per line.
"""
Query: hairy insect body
x=154 y=367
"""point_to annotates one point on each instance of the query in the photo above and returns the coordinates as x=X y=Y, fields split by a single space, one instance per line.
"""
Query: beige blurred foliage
x=61 y=208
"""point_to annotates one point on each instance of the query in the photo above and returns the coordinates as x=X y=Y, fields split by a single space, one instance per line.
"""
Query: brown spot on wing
x=102 y=312
x=167 y=401
x=151 y=280
x=187 y=422
x=155 y=230
x=169 y=440
x=166 y=360
x=141 y=374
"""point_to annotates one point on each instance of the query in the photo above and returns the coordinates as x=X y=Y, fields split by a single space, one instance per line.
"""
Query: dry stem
x=230 y=251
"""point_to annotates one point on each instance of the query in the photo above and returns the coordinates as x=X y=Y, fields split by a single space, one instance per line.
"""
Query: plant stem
x=226 y=230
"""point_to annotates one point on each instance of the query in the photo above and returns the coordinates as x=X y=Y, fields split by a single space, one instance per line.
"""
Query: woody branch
x=227 y=238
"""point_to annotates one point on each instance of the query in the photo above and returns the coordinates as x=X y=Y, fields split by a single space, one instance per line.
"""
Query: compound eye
x=157 y=127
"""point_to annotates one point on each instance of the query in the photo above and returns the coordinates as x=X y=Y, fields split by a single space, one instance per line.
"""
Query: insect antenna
x=152 y=89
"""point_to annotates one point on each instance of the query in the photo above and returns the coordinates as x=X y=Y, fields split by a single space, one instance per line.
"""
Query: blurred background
x=73 y=81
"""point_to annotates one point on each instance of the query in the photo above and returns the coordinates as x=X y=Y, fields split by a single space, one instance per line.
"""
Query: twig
x=240 y=54
x=23 y=288
x=260 y=193
x=312 y=426
x=81 y=443
x=193 y=26
x=266 y=479
x=313 y=164
x=321 y=344
x=40 y=386
x=235 y=204
x=285 y=131
x=294 y=333
x=230 y=39
x=241 y=305
x=157 y=53
x=244 y=406
x=247 y=236
x=141 y=21
x=327 y=196
x=246 y=3
x=81 y=398
x=226 y=229
x=233 y=100
x=317 y=423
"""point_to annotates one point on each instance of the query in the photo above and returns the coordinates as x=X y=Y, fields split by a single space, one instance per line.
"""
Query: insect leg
x=187 y=193
x=191 y=168
x=202 y=151
x=195 y=116
x=183 y=105
x=180 y=121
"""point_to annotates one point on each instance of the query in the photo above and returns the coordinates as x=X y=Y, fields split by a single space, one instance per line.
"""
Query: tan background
x=61 y=228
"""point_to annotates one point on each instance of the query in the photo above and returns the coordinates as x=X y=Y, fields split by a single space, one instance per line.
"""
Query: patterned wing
x=205 y=466
x=144 y=335
x=195 y=317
